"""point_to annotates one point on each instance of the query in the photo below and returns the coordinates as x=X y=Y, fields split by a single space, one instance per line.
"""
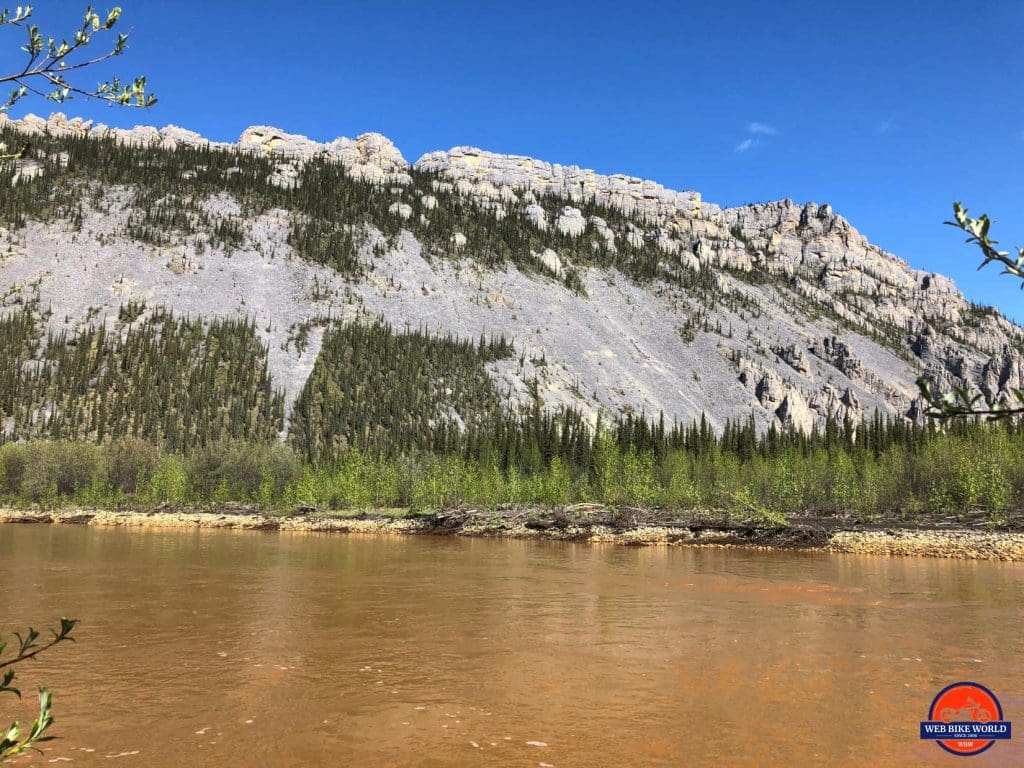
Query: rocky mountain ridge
x=778 y=310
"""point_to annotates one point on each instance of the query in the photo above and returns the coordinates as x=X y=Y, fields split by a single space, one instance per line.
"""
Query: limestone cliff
x=777 y=309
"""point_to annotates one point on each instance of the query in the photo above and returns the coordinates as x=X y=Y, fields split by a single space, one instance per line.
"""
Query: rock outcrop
x=838 y=354
x=370 y=157
x=535 y=178
x=794 y=357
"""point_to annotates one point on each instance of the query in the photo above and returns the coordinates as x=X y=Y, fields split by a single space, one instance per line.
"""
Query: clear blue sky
x=889 y=111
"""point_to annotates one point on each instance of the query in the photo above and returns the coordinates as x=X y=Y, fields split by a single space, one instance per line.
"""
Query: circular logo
x=966 y=719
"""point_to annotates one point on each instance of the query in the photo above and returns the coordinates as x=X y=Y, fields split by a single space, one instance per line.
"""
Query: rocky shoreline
x=590 y=523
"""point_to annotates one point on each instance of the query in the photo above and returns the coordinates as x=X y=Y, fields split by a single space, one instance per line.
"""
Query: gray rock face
x=537 y=216
x=837 y=353
x=551 y=260
x=794 y=412
x=402 y=210
x=525 y=174
x=818 y=320
x=371 y=157
x=571 y=222
x=1000 y=374
x=770 y=390
x=838 y=404
x=794 y=357
x=26 y=169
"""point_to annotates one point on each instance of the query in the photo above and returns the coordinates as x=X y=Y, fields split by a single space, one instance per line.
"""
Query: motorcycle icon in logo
x=972 y=710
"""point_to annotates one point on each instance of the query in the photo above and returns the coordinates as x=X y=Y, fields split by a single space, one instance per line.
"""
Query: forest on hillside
x=153 y=408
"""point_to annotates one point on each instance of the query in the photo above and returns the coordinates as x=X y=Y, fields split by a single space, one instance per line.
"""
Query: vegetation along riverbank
x=879 y=486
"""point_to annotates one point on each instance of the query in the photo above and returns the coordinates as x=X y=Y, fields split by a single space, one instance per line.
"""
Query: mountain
x=336 y=291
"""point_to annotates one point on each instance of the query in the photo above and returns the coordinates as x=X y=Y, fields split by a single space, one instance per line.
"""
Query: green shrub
x=13 y=460
x=130 y=461
x=639 y=487
x=168 y=483
x=556 y=486
x=58 y=470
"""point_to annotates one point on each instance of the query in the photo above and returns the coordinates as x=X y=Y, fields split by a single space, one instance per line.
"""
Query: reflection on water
x=207 y=648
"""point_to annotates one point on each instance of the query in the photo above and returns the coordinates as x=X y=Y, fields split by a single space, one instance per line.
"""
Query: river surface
x=224 y=648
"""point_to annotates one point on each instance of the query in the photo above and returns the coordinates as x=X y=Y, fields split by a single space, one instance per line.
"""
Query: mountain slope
x=616 y=294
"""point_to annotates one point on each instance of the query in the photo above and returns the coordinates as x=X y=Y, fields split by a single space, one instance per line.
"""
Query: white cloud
x=1022 y=135
x=755 y=130
x=883 y=127
x=762 y=129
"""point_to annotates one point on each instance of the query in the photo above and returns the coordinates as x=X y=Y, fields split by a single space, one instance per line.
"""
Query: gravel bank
x=966 y=544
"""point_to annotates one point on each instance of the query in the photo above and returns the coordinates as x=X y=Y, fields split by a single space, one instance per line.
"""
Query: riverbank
x=591 y=523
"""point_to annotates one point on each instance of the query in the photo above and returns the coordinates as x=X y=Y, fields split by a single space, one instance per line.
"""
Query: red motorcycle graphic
x=969 y=713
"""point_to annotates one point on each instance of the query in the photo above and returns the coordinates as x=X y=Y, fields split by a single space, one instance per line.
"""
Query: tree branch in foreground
x=49 y=63
x=959 y=402
x=11 y=741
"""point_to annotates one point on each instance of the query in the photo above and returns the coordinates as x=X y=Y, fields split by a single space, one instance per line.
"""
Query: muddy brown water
x=226 y=648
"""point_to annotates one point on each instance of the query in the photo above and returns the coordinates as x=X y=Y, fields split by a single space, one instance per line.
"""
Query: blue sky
x=889 y=114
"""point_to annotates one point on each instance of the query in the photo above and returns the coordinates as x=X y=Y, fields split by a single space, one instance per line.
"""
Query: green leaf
x=28 y=641
x=5 y=684
x=66 y=625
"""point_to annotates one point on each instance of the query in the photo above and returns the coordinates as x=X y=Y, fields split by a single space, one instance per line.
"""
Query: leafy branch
x=959 y=402
x=11 y=741
x=50 y=61
x=977 y=232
